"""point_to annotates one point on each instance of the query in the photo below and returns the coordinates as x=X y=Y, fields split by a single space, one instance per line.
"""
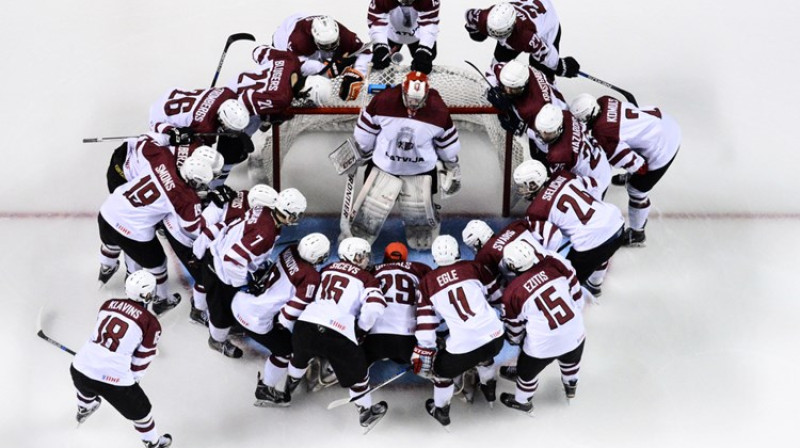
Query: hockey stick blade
x=41 y=334
x=628 y=96
x=479 y=72
x=344 y=401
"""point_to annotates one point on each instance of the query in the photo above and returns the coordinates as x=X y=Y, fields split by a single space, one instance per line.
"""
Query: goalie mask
x=141 y=286
x=501 y=20
x=530 y=177
x=325 y=31
x=585 y=107
x=445 y=250
x=415 y=91
x=356 y=250
x=476 y=233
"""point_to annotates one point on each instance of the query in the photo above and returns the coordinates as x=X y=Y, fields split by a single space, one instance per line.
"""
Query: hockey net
x=462 y=90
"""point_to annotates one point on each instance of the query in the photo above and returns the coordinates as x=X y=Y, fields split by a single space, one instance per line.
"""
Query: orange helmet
x=415 y=90
x=395 y=251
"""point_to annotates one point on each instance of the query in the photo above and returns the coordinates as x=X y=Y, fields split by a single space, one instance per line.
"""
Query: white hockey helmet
x=356 y=250
x=529 y=177
x=584 y=107
x=549 y=122
x=501 y=19
x=519 y=256
x=325 y=31
x=290 y=207
x=476 y=233
x=445 y=250
x=196 y=171
x=213 y=156
x=141 y=286
x=262 y=195
x=233 y=115
x=314 y=248
x=317 y=89
x=415 y=90
x=514 y=77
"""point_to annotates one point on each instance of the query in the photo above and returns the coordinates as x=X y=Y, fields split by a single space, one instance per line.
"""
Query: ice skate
x=508 y=400
x=291 y=386
x=469 y=385
x=570 y=388
x=490 y=391
x=633 y=238
x=198 y=316
x=620 y=179
x=369 y=417
x=85 y=412
x=106 y=272
x=226 y=348
x=163 y=304
x=442 y=415
x=267 y=396
x=508 y=373
x=593 y=289
x=163 y=442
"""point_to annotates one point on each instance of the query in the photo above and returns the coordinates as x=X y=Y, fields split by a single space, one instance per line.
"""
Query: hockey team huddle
x=442 y=321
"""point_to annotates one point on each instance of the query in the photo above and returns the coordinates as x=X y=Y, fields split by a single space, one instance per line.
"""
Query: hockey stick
x=231 y=39
x=199 y=134
x=479 y=72
x=343 y=401
x=41 y=334
x=628 y=96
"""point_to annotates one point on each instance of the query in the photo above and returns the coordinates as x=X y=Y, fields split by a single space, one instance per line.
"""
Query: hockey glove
x=380 y=56
x=471 y=26
x=498 y=99
x=352 y=81
x=180 y=136
x=568 y=67
x=257 y=283
x=422 y=360
x=452 y=178
x=423 y=60
x=512 y=122
x=222 y=195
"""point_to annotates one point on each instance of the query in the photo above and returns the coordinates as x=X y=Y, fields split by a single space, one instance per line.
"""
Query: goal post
x=462 y=90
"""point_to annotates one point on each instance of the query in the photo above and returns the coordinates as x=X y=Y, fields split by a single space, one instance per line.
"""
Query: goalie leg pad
x=374 y=203
x=420 y=213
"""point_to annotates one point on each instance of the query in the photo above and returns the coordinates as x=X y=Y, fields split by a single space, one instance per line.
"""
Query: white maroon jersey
x=626 y=132
x=346 y=293
x=136 y=207
x=535 y=31
x=294 y=35
x=576 y=151
x=399 y=283
x=571 y=203
x=135 y=161
x=267 y=90
x=403 y=145
x=217 y=218
x=122 y=345
x=243 y=247
x=538 y=93
x=388 y=20
x=548 y=235
x=547 y=300
x=291 y=285
x=457 y=294
x=196 y=109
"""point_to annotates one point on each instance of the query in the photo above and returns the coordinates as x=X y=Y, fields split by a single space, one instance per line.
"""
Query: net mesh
x=462 y=90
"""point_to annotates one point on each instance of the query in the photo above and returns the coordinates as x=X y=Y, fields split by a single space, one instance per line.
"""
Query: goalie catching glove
x=352 y=82
x=422 y=360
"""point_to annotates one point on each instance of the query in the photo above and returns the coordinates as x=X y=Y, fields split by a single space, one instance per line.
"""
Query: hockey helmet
x=501 y=19
x=519 y=256
x=549 y=122
x=476 y=233
x=314 y=248
x=262 y=195
x=141 y=286
x=445 y=250
x=325 y=32
x=356 y=250
x=584 y=107
x=415 y=90
x=529 y=177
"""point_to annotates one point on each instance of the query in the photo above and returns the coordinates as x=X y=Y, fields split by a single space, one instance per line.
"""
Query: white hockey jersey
x=122 y=345
x=419 y=22
x=547 y=302
x=457 y=294
x=402 y=145
x=197 y=109
x=400 y=285
x=291 y=285
x=572 y=204
x=136 y=207
x=347 y=296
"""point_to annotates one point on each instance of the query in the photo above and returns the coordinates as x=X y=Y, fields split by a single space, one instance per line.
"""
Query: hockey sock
x=147 y=429
x=442 y=392
x=486 y=373
x=569 y=371
x=274 y=369
x=199 y=297
x=218 y=334
x=638 y=208
x=296 y=372
x=599 y=275
x=109 y=255
x=358 y=389
x=525 y=389
x=160 y=273
x=130 y=265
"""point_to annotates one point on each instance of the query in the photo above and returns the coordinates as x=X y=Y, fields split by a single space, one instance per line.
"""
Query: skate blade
x=269 y=404
x=369 y=427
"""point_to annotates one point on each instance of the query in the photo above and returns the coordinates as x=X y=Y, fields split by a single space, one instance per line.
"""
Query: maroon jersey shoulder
x=204 y=118
x=352 y=270
x=349 y=42
x=382 y=6
x=605 y=127
x=566 y=148
x=414 y=268
x=446 y=276
x=237 y=208
x=300 y=271
x=260 y=231
x=138 y=313
x=300 y=40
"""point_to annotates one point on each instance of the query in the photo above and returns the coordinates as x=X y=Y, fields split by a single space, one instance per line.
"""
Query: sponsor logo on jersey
x=110 y=379
x=337 y=325
x=205 y=106
x=165 y=177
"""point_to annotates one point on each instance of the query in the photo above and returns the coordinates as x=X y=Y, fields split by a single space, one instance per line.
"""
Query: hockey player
x=564 y=144
x=240 y=249
x=346 y=306
x=455 y=292
x=111 y=363
x=129 y=216
x=544 y=302
x=573 y=204
x=523 y=26
x=403 y=132
x=394 y=23
x=392 y=336
x=270 y=308
x=270 y=89
x=643 y=141
x=325 y=47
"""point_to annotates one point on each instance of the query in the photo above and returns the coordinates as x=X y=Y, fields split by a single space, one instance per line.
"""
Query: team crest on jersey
x=405 y=139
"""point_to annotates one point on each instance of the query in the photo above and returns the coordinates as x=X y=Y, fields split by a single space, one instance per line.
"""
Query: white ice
x=694 y=342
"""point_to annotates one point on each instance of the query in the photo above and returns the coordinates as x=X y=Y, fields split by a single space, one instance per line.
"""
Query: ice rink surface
x=694 y=341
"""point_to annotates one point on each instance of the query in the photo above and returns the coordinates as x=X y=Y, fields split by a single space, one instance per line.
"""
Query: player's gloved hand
x=452 y=178
x=222 y=195
x=512 y=122
x=422 y=360
x=352 y=82
x=568 y=67
x=380 y=56
x=193 y=263
x=257 y=283
x=499 y=99
x=338 y=66
x=423 y=60
x=471 y=26
x=180 y=136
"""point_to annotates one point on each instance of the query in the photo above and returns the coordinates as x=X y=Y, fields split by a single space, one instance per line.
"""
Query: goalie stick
x=628 y=96
x=231 y=39
x=41 y=334
x=343 y=401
